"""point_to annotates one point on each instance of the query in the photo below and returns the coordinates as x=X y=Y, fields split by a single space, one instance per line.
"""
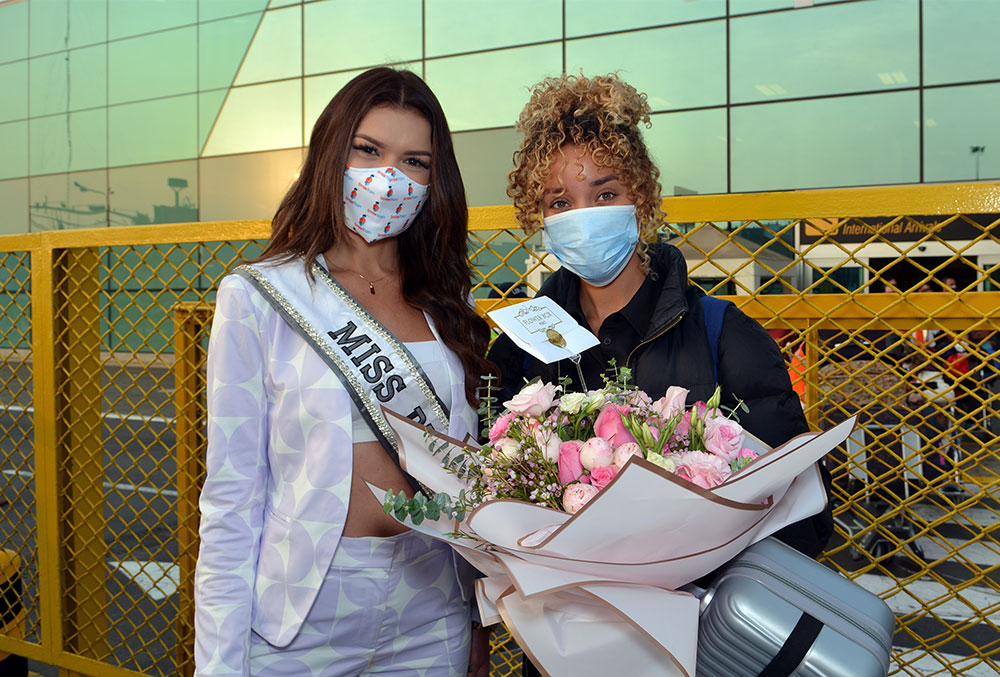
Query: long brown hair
x=433 y=251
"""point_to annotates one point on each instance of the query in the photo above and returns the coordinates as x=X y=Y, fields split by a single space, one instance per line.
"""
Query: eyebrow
x=379 y=144
x=593 y=184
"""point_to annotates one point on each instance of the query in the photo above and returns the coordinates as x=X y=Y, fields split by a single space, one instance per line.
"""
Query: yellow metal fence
x=102 y=346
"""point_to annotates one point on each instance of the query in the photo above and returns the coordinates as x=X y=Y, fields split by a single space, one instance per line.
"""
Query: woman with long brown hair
x=360 y=301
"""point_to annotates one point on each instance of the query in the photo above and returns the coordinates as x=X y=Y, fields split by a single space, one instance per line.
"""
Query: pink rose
x=684 y=427
x=548 y=443
x=576 y=496
x=672 y=403
x=609 y=424
x=626 y=451
x=499 y=428
x=596 y=453
x=533 y=399
x=748 y=453
x=723 y=437
x=570 y=468
x=600 y=477
x=705 y=470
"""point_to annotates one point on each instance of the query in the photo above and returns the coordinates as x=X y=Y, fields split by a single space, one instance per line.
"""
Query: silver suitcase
x=752 y=609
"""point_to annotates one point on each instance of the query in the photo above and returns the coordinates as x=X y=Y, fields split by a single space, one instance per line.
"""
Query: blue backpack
x=714 y=310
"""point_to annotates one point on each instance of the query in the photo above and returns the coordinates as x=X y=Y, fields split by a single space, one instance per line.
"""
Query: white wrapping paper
x=595 y=592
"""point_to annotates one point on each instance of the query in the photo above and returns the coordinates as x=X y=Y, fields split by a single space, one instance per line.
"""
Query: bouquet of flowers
x=587 y=512
x=561 y=451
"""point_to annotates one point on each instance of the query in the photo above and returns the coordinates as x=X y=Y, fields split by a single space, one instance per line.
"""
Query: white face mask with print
x=381 y=202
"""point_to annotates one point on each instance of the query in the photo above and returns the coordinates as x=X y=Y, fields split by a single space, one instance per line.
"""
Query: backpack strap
x=714 y=311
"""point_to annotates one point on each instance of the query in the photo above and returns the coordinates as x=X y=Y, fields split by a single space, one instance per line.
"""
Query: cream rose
x=573 y=403
x=576 y=496
x=624 y=452
x=596 y=452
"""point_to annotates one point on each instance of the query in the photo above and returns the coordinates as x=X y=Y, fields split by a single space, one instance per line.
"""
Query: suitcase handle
x=795 y=647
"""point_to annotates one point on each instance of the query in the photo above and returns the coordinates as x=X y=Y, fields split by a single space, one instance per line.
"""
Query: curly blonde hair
x=600 y=115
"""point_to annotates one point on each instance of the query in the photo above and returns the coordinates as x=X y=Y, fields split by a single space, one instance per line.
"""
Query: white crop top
x=430 y=355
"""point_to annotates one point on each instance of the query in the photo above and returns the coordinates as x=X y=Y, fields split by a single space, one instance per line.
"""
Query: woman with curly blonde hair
x=585 y=176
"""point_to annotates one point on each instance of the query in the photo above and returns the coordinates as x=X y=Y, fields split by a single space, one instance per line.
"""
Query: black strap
x=791 y=653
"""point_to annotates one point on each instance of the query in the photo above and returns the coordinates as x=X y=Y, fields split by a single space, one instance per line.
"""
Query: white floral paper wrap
x=597 y=592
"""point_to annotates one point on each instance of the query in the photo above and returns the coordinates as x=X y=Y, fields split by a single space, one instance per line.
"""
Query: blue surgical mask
x=595 y=243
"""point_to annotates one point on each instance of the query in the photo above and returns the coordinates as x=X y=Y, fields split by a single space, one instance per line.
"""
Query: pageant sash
x=374 y=366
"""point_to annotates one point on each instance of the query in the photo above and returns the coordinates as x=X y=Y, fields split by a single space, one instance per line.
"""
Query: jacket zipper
x=808 y=594
x=670 y=326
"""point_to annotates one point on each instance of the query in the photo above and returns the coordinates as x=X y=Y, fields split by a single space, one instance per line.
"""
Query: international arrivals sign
x=899 y=229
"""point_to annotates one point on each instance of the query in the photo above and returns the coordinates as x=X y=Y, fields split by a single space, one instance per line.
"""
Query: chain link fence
x=103 y=338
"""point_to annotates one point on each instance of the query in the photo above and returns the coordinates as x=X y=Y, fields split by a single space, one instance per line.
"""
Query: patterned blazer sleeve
x=232 y=500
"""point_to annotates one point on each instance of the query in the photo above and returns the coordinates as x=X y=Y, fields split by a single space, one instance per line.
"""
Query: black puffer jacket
x=674 y=350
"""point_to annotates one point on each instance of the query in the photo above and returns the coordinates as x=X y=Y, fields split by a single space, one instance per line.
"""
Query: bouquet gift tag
x=543 y=329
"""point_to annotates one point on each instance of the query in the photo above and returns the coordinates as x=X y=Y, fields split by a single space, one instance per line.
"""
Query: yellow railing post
x=191 y=321
x=79 y=451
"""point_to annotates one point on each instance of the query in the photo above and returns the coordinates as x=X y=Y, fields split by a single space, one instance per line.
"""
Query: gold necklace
x=371 y=283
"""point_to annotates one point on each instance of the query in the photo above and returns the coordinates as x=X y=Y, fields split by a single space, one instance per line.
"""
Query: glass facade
x=747 y=95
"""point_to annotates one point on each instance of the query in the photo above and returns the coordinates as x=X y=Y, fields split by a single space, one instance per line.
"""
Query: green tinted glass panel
x=690 y=150
x=960 y=41
x=13 y=207
x=153 y=131
x=218 y=9
x=89 y=133
x=258 y=117
x=161 y=64
x=88 y=77
x=276 y=50
x=586 y=17
x=490 y=89
x=283 y=3
x=88 y=22
x=360 y=41
x=14 y=82
x=321 y=88
x=129 y=17
x=162 y=192
x=808 y=52
x=47 y=26
x=14 y=141
x=221 y=47
x=455 y=26
x=958 y=120
x=47 y=84
x=49 y=144
x=679 y=67
x=847 y=141
x=748 y=6
x=209 y=105
x=14 y=19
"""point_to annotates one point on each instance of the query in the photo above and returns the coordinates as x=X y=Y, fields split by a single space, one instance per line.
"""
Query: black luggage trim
x=795 y=648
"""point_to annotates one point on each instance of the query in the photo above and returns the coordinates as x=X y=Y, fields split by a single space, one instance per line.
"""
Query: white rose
x=507 y=448
x=572 y=403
